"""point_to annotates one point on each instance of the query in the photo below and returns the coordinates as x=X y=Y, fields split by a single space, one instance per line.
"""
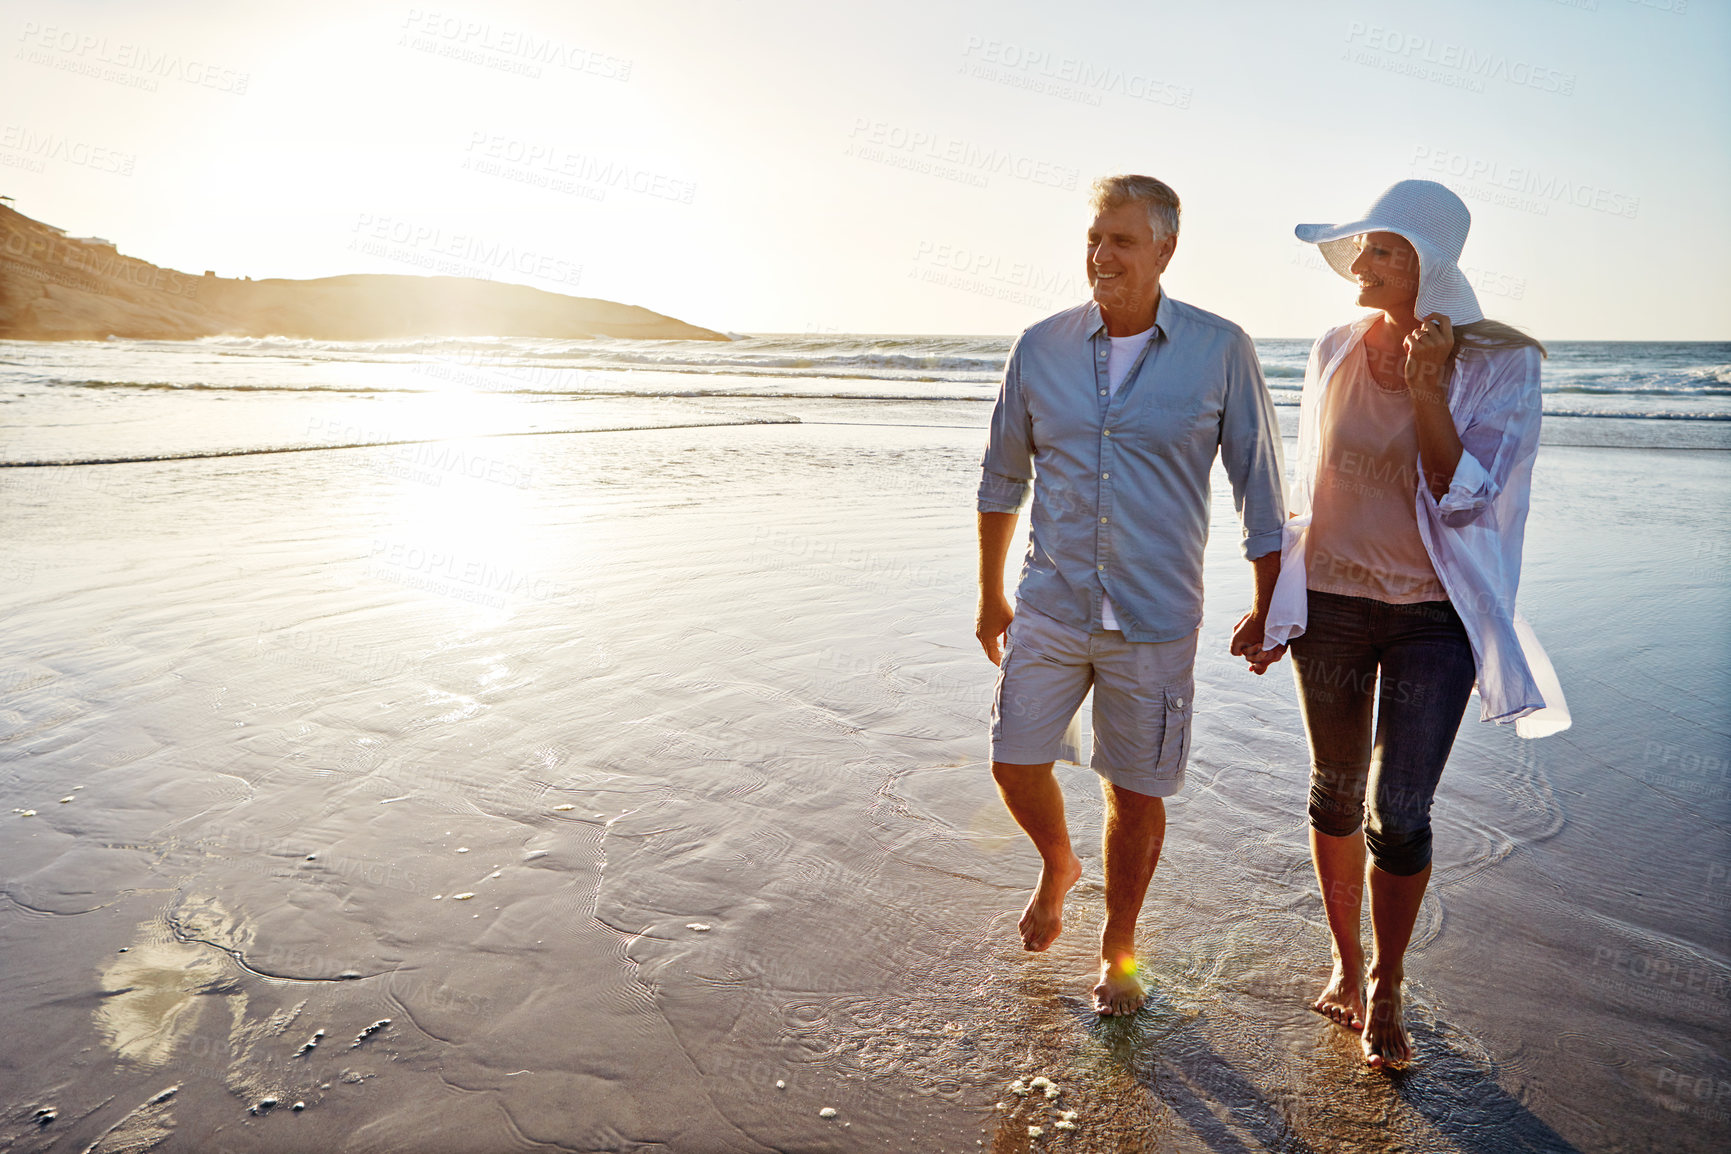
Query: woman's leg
x=1335 y=668
x=1339 y=863
x=1427 y=676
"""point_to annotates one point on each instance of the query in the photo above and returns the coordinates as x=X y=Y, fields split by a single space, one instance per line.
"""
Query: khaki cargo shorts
x=1143 y=703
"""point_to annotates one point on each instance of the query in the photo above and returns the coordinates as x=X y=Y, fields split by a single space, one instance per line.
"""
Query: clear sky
x=893 y=166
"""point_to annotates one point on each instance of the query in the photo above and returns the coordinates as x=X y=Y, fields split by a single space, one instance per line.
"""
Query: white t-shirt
x=1124 y=352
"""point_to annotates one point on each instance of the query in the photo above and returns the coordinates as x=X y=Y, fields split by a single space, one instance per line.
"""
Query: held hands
x=993 y=617
x=991 y=622
x=1247 y=643
x=1427 y=353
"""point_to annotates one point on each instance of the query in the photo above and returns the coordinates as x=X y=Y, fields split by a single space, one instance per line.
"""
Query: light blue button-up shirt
x=1121 y=481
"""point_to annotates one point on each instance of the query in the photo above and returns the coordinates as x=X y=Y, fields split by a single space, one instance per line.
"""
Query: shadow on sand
x=1449 y=1101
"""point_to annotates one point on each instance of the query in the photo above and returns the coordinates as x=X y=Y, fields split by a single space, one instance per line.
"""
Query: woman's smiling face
x=1386 y=269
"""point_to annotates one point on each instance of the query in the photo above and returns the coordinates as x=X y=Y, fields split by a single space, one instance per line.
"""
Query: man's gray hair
x=1111 y=191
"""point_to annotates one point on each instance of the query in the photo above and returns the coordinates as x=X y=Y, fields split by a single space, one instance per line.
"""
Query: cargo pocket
x=1175 y=730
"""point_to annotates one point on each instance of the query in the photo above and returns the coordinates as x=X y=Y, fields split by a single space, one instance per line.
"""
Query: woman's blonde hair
x=1494 y=335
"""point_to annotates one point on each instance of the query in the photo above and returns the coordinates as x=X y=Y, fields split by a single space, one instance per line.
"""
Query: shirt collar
x=1163 y=315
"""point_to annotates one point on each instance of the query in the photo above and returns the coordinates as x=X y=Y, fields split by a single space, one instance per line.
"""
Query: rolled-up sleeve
x=1008 y=464
x=1250 y=451
x=1502 y=434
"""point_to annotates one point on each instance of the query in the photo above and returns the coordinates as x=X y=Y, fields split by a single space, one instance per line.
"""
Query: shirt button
x=1178 y=701
x=1102 y=520
x=1102 y=352
x=1107 y=433
x=1105 y=476
x=1102 y=392
x=1099 y=566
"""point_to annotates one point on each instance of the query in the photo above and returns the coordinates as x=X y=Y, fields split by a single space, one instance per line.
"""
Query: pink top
x=1364 y=539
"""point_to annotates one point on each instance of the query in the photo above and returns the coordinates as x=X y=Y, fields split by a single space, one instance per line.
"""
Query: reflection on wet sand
x=157 y=988
x=155 y=994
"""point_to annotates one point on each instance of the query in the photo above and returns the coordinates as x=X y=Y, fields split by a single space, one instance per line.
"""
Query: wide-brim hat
x=1435 y=221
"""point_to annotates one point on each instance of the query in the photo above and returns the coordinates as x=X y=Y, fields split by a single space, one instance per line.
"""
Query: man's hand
x=991 y=622
x=1247 y=643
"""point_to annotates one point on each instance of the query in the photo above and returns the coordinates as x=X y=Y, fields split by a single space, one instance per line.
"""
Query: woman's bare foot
x=1385 y=1040
x=1342 y=1000
x=1120 y=990
x=1043 y=920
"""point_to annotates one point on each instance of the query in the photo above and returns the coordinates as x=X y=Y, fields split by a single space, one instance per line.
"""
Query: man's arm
x=1250 y=450
x=1004 y=477
x=993 y=617
x=1247 y=634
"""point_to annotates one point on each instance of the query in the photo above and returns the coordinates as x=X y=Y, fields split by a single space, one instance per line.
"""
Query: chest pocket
x=1173 y=426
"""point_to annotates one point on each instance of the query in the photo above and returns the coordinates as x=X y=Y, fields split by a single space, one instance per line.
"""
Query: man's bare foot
x=1120 y=990
x=1385 y=1040
x=1342 y=1000
x=1043 y=920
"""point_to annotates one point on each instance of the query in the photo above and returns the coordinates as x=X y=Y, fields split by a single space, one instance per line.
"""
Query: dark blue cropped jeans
x=1415 y=665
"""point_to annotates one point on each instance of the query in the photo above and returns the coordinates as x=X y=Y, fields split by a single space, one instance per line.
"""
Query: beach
x=591 y=755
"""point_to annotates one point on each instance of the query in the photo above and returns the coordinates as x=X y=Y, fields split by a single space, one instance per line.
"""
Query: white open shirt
x=1473 y=535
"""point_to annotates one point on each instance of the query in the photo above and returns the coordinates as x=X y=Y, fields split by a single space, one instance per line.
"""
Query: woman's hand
x=1427 y=358
x=1427 y=378
x=1247 y=643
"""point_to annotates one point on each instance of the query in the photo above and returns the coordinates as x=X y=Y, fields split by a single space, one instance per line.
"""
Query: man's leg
x=1042 y=680
x=1142 y=713
x=1032 y=796
x=1135 y=831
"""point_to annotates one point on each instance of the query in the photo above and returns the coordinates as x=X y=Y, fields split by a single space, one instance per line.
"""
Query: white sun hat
x=1435 y=220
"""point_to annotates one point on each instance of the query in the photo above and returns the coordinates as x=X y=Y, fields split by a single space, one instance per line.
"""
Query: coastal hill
x=56 y=287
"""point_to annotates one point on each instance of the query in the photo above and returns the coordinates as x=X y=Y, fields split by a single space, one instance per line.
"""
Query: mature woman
x=1417 y=431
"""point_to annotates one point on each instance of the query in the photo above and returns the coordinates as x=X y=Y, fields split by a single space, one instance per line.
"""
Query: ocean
x=141 y=400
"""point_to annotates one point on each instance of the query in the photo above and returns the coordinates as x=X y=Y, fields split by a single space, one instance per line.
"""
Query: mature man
x=1115 y=410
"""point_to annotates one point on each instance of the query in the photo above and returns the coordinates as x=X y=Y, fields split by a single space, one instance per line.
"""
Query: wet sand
x=630 y=791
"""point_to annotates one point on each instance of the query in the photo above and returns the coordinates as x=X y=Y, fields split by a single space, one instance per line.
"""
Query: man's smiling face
x=1125 y=261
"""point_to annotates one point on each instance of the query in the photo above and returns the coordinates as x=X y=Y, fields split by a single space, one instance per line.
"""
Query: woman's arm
x=1428 y=367
x=1499 y=435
